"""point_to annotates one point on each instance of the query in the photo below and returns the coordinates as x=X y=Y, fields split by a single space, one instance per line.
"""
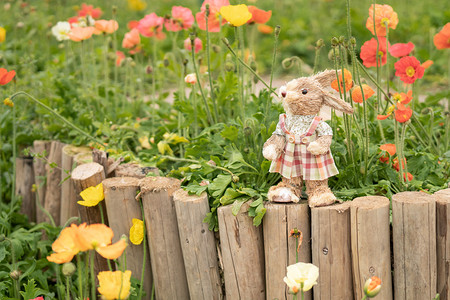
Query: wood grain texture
x=122 y=207
x=280 y=249
x=24 y=186
x=414 y=238
x=331 y=251
x=134 y=170
x=443 y=242
x=370 y=238
x=163 y=237
x=242 y=253
x=52 y=201
x=198 y=246
x=69 y=206
x=43 y=149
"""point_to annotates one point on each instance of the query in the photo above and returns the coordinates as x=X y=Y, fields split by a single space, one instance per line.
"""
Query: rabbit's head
x=306 y=95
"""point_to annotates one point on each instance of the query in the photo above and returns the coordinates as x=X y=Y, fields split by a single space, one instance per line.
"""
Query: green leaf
x=218 y=185
x=2 y=252
x=230 y=133
x=31 y=291
x=236 y=207
x=229 y=196
x=195 y=188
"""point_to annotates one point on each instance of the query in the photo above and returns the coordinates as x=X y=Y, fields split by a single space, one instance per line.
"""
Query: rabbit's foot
x=322 y=199
x=282 y=194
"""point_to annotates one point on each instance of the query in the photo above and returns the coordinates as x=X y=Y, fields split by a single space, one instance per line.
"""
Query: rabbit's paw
x=270 y=152
x=316 y=149
x=322 y=199
x=282 y=194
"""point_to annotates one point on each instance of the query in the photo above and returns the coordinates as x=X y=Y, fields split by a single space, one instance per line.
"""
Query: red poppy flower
x=390 y=149
x=181 y=18
x=213 y=18
x=132 y=24
x=151 y=25
x=403 y=98
x=442 y=38
x=259 y=16
x=400 y=50
x=408 y=68
x=369 y=52
x=6 y=76
x=402 y=113
x=90 y=10
x=357 y=93
x=383 y=13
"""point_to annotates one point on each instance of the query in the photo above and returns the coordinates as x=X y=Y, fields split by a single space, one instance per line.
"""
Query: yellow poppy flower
x=114 y=285
x=92 y=195
x=236 y=15
x=137 y=231
x=8 y=102
x=2 y=34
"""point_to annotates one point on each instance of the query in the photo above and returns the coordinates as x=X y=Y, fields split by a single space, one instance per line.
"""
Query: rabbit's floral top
x=299 y=125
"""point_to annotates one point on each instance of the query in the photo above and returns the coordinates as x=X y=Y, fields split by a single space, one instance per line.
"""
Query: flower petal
x=112 y=251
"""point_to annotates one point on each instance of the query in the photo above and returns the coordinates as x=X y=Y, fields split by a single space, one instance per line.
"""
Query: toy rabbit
x=299 y=148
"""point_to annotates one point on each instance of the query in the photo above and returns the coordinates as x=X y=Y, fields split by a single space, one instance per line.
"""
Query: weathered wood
x=163 y=238
x=69 y=206
x=84 y=176
x=370 y=238
x=280 y=249
x=101 y=157
x=52 y=201
x=24 y=186
x=122 y=207
x=443 y=242
x=414 y=239
x=331 y=251
x=41 y=149
x=134 y=170
x=198 y=246
x=242 y=254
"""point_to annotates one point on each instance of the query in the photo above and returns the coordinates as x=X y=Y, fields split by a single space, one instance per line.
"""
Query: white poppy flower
x=61 y=31
x=301 y=273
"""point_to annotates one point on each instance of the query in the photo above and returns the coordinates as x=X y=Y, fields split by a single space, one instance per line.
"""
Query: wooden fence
x=408 y=249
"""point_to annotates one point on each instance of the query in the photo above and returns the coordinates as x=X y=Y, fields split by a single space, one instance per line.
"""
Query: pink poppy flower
x=79 y=34
x=182 y=18
x=408 y=68
x=400 y=50
x=214 y=16
x=151 y=25
x=198 y=45
x=106 y=26
x=131 y=39
x=120 y=56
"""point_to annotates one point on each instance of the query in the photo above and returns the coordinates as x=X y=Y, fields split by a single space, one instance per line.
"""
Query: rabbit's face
x=302 y=96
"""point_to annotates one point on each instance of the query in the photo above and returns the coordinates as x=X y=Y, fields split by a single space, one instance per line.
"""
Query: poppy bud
x=215 y=48
x=334 y=42
x=341 y=39
x=2 y=237
x=15 y=274
x=68 y=269
x=277 y=30
x=319 y=43
x=229 y=66
x=353 y=41
x=114 y=9
x=332 y=55
x=372 y=287
x=149 y=70
x=225 y=41
x=235 y=178
x=207 y=9
x=166 y=62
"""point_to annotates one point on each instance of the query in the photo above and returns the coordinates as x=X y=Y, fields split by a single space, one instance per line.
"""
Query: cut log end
x=157 y=184
x=182 y=195
x=83 y=158
x=86 y=171
x=412 y=197
x=370 y=202
x=134 y=170
x=120 y=182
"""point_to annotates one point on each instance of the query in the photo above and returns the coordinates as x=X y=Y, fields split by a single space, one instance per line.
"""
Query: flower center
x=410 y=71
x=385 y=21
x=397 y=97
x=380 y=53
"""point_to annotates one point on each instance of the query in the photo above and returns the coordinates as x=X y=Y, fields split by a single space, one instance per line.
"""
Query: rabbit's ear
x=326 y=77
x=336 y=103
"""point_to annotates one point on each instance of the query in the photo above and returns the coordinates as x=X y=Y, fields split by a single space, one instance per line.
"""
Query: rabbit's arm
x=274 y=146
x=321 y=145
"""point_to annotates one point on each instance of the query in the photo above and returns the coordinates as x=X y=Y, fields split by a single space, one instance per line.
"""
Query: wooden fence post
x=198 y=245
x=42 y=148
x=370 y=238
x=24 y=186
x=134 y=170
x=69 y=206
x=52 y=201
x=122 y=207
x=169 y=274
x=280 y=249
x=242 y=253
x=84 y=176
x=443 y=242
x=331 y=251
x=414 y=238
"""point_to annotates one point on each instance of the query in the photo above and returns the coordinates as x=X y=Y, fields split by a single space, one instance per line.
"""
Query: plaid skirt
x=297 y=161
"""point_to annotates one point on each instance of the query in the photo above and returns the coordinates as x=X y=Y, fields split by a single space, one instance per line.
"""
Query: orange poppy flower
x=79 y=34
x=89 y=10
x=132 y=24
x=389 y=148
x=403 y=98
x=106 y=26
x=357 y=93
x=399 y=49
x=348 y=81
x=131 y=39
x=369 y=52
x=408 y=68
x=65 y=246
x=265 y=29
x=98 y=237
x=442 y=38
x=427 y=64
x=259 y=16
x=6 y=76
x=383 y=13
x=401 y=112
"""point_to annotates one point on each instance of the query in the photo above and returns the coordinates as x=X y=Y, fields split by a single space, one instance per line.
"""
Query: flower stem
x=387 y=56
x=80 y=278
x=13 y=188
x=67 y=287
x=274 y=56
x=196 y=162
x=67 y=122
x=301 y=290
x=208 y=113
x=208 y=60
x=239 y=68
x=92 y=255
